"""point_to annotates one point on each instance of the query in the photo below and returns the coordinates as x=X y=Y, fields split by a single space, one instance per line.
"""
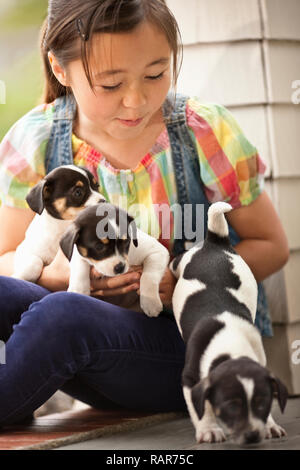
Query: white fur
x=150 y=253
x=39 y=247
x=216 y=220
x=254 y=424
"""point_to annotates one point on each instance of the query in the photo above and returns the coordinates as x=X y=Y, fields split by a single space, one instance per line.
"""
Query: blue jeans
x=96 y=352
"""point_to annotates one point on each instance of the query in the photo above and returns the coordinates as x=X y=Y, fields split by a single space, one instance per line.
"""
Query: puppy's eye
x=259 y=403
x=77 y=192
x=232 y=407
x=100 y=246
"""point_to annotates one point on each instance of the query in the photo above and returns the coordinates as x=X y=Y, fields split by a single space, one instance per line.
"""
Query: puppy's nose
x=119 y=268
x=252 y=437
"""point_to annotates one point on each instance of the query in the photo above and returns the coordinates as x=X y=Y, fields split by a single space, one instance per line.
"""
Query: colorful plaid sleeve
x=231 y=169
x=22 y=155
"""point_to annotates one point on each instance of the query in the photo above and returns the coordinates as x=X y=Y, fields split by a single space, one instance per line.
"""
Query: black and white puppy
x=57 y=199
x=106 y=237
x=226 y=386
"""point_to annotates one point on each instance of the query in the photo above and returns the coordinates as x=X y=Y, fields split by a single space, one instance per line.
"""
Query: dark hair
x=70 y=25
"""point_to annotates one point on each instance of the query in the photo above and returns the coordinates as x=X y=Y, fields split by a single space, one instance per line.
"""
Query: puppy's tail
x=217 y=224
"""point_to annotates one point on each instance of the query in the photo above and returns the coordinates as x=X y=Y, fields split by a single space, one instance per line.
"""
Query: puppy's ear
x=35 y=198
x=200 y=393
x=132 y=230
x=174 y=265
x=68 y=240
x=279 y=391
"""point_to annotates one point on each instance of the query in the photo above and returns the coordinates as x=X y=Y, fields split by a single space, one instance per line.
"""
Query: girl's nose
x=134 y=98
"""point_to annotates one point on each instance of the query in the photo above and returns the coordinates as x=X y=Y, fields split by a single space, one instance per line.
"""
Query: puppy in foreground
x=106 y=237
x=227 y=388
x=56 y=199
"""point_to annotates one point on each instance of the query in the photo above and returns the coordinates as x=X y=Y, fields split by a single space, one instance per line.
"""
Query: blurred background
x=243 y=54
x=20 y=66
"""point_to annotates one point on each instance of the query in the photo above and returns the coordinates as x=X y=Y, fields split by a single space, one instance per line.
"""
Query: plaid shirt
x=230 y=167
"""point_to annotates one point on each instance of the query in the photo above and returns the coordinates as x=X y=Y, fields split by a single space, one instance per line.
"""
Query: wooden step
x=51 y=431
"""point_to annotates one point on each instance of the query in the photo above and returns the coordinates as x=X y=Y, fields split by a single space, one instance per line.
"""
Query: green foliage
x=23 y=91
x=23 y=14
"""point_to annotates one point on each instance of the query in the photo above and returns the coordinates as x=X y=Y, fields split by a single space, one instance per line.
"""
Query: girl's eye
x=156 y=77
x=114 y=87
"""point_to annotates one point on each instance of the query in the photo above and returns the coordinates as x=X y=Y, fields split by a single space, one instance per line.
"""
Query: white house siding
x=245 y=54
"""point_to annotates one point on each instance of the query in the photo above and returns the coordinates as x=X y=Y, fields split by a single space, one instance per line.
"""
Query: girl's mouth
x=130 y=123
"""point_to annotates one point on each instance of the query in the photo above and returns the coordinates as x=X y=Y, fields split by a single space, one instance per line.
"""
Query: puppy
x=57 y=199
x=228 y=390
x=106 y=237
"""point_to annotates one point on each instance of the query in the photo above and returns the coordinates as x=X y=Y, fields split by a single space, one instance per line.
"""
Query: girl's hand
x=166 y=288
x=105 y=286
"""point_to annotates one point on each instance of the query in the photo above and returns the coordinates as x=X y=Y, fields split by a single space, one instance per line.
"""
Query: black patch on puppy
x=212 y=266
x=200 y=338
x=218 y=360
x=176 y=261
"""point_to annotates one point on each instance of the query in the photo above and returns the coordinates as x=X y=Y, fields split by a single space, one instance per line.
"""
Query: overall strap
x=59 y=148
x=190 y=189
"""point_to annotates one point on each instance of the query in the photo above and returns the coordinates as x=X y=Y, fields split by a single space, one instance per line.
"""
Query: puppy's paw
x=79 y=290
x=16 y=276
x=274 y=430
x=210 y=434
x=151 y=306
x=25 y=277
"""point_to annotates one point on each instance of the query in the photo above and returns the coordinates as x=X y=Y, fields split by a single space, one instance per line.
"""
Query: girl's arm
x=264 y=245
x=13 y=223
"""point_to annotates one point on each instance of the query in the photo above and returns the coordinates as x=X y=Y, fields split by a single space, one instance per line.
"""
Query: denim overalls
x=186 y=165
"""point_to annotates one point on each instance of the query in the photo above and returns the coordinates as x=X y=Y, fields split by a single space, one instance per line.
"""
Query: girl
x=109 y=65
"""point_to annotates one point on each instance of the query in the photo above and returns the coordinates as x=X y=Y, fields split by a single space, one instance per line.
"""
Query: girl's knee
x=59 y=307
x=16 y=296
x=64 y=313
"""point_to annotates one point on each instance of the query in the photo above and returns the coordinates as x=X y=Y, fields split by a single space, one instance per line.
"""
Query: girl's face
x=131 y=76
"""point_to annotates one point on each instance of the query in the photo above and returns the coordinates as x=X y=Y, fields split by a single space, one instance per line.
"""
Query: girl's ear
x=57 y=70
